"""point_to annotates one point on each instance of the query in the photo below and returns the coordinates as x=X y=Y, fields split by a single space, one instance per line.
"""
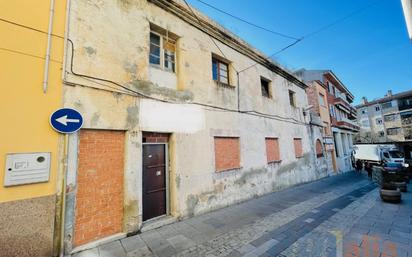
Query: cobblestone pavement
x=336 y=216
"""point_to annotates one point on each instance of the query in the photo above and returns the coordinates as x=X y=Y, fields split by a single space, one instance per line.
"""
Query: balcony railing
x=347 y=124
x=344 y=105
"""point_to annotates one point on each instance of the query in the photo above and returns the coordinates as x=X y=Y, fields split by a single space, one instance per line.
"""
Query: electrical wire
x=27 y=54
x=219 y=108
x=297 y=40
x=248 y=22
x=127 y=90
x=30 y=28
x=211 y=38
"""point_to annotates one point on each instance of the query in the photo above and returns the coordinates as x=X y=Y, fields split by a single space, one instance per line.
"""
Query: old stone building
x=180 y=117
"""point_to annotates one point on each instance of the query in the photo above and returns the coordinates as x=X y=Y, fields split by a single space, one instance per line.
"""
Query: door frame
x=166 y=178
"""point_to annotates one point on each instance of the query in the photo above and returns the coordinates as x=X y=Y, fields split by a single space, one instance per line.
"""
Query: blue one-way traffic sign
x=66 y=120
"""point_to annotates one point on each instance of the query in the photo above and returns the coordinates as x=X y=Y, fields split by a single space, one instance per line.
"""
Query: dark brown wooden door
x=154 y=180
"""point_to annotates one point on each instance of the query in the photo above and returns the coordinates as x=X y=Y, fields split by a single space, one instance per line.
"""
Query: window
x=227 y=153
x=390 y=117
x=162 y=52
x=377 y=108
x=220 y=71
x=330 y=87
x=393 y=131
x=332 y=111
x=386 y=105
x=381 y=134
x=292 y=99
x=364 y=111
x=272 y=150
x=322 y=99
x=379 y=121
x=297 y=143
x=265 y=87
x=154 y=56
x=319 y=150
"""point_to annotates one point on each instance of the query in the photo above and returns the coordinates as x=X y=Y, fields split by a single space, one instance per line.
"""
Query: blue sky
x=370 y=52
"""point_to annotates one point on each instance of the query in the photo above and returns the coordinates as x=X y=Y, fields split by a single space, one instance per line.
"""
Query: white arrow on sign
x=64 y=120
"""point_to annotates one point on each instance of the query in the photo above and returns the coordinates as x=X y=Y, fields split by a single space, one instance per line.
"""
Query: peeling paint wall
x=111 y=41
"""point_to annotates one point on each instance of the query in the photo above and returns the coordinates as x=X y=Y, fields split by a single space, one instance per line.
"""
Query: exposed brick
x=297 y=143
x=227 y=153
x=99 y=203
x=272 y=149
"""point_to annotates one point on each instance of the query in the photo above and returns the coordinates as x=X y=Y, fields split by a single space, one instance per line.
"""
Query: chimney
x=389 y=93
x=364 y=100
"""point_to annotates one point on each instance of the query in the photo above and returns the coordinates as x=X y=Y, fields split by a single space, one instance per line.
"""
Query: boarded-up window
x=272 y=149
x=319 y=150
x=297 y=142
x=227 y=153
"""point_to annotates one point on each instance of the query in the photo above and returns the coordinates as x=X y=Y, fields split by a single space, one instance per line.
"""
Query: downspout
x=238 y=91
x=66 y=36
x=63 y=202
x=47 y=57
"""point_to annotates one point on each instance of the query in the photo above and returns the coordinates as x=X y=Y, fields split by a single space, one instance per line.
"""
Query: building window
x=265 y=87
x=272 y=150
x=377 y=108
x=220 y=71
x=393 y=131
x=292 y=99
x=227 y=153
x=381 y=134
x=332 y=111
x=330 y=87
x=390 y=117
x=386 y=105
x=319 y=149
x=364 y=111
x=297 y=143
x=322 y=99
x=162 y=52
x=379 y=121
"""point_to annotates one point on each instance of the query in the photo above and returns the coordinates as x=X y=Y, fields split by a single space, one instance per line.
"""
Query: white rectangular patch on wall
x=168 y=117
x=26 y=168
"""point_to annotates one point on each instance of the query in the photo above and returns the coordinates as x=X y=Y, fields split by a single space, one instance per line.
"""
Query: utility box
x=26 y=168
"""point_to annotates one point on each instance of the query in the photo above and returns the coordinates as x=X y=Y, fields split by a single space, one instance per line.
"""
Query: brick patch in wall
x=227 y=153
x=99 y=198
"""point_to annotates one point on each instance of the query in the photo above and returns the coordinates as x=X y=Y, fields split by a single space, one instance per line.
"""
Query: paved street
x=336 y=216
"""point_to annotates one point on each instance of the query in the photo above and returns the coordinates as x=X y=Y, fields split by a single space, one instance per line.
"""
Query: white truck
x=377 y=154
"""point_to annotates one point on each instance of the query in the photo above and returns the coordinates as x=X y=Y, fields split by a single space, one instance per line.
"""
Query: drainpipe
x=66 y=138
x=66 y=36
x=47 y=57
x=63 y=201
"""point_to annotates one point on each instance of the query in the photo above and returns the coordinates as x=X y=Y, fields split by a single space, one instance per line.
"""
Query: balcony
x=342 y=104
x=346 y=124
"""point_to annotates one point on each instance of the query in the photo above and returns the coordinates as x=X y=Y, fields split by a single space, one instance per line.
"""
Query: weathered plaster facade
x=111 y=42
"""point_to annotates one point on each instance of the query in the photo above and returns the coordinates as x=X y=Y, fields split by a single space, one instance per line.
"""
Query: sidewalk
x=266 y=226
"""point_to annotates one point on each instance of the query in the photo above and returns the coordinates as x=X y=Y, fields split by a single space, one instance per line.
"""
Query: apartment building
x=181 y=117
x=342 y=114
x=387 y=119
x=320 y=116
